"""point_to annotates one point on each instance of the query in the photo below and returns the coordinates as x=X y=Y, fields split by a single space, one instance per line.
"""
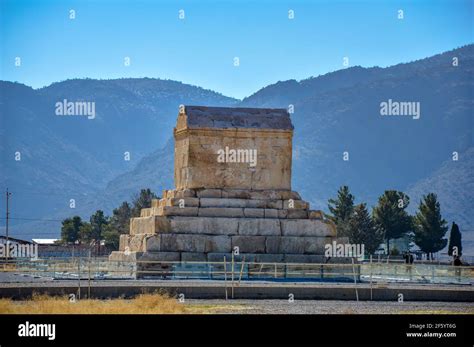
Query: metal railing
x=89 y=268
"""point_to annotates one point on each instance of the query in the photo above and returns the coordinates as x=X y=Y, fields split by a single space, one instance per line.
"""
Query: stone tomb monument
x=232 y=172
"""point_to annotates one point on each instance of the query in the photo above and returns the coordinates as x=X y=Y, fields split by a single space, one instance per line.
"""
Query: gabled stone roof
x=237 y=117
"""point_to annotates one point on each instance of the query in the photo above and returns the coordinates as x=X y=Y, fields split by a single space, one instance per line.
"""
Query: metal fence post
x=225 y=277
x=232 y=290
x=370 y=277
x=79 y=278
x=89 y=276
x=355 y=281
x=241 y=269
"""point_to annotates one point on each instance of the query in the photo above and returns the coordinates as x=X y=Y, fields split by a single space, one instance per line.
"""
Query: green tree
x=142 y=200
x=70 y=229
x=85 y=232
x=341 y=209
x=362 y=230
x=390 y=216
x=119 y=224
x=430 y=227
x=455 y=240
x=98 y=221
x=111 y=238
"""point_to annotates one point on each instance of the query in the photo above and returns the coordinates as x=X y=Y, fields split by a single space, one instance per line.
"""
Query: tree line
x=100 y=227
x=390 y=220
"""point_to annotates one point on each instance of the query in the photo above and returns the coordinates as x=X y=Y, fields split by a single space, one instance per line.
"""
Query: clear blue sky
x=200 y=49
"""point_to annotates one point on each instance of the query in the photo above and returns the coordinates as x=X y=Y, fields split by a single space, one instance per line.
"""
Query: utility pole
x=7 y=253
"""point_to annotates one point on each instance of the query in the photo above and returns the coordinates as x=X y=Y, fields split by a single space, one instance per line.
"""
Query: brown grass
x=142 y=304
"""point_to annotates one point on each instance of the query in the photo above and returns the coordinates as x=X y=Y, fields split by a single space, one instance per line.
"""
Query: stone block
x=142 y=225
x=209 y=193
x=204 y=225
x=184 y=202
x=305 y=227
x=220 y=212
x=185 y=193
x=178 y=211
x=315 y=214
x=259 y=226
x=145 y=212
x=118 y=256
x=254 y=212
x=190 y=256
x=295 y=204
x=236 y=193
x=123 y=242
x=158 y=256
x=282 y=214
x=278 y=204
x=271 y=213
x=152 y=243
x=137 y=242
x=288 y=194
x=265 y=194
x=195 y=243
x=297 y=214
x=162 y=224
x=221 y=202
x=249 y=244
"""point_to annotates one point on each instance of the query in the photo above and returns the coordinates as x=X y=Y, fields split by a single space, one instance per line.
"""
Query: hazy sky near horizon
x=200 y=49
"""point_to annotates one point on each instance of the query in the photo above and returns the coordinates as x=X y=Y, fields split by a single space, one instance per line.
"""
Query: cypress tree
x=455 y=240
x=430 y=227
x=362 y=230
x=341 y=209
x=390 y=215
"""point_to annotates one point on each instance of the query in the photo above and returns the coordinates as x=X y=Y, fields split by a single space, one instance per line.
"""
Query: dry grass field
x=142 y=304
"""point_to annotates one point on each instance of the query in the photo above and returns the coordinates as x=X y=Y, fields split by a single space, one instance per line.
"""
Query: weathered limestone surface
x=142 y=225
x=257 y=226
x=205 y=225
x=195 y=243
x=202 y=131
x=218 y=207
x=221 y=212
x=218 y=257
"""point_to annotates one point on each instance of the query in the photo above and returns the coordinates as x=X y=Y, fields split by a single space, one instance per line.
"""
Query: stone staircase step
x=230 y=202
x=232 y=193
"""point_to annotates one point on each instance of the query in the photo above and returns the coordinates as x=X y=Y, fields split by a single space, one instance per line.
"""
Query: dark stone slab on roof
x=237 y=117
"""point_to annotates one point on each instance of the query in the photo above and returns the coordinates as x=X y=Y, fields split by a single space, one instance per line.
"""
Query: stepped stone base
x=208 y=224
x=218 y=257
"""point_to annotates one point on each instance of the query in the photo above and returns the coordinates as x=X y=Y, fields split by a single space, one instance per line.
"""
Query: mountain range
x=336 y=116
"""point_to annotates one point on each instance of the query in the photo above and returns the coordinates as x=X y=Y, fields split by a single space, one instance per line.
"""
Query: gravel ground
x=330 y=307
x=12 y=277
